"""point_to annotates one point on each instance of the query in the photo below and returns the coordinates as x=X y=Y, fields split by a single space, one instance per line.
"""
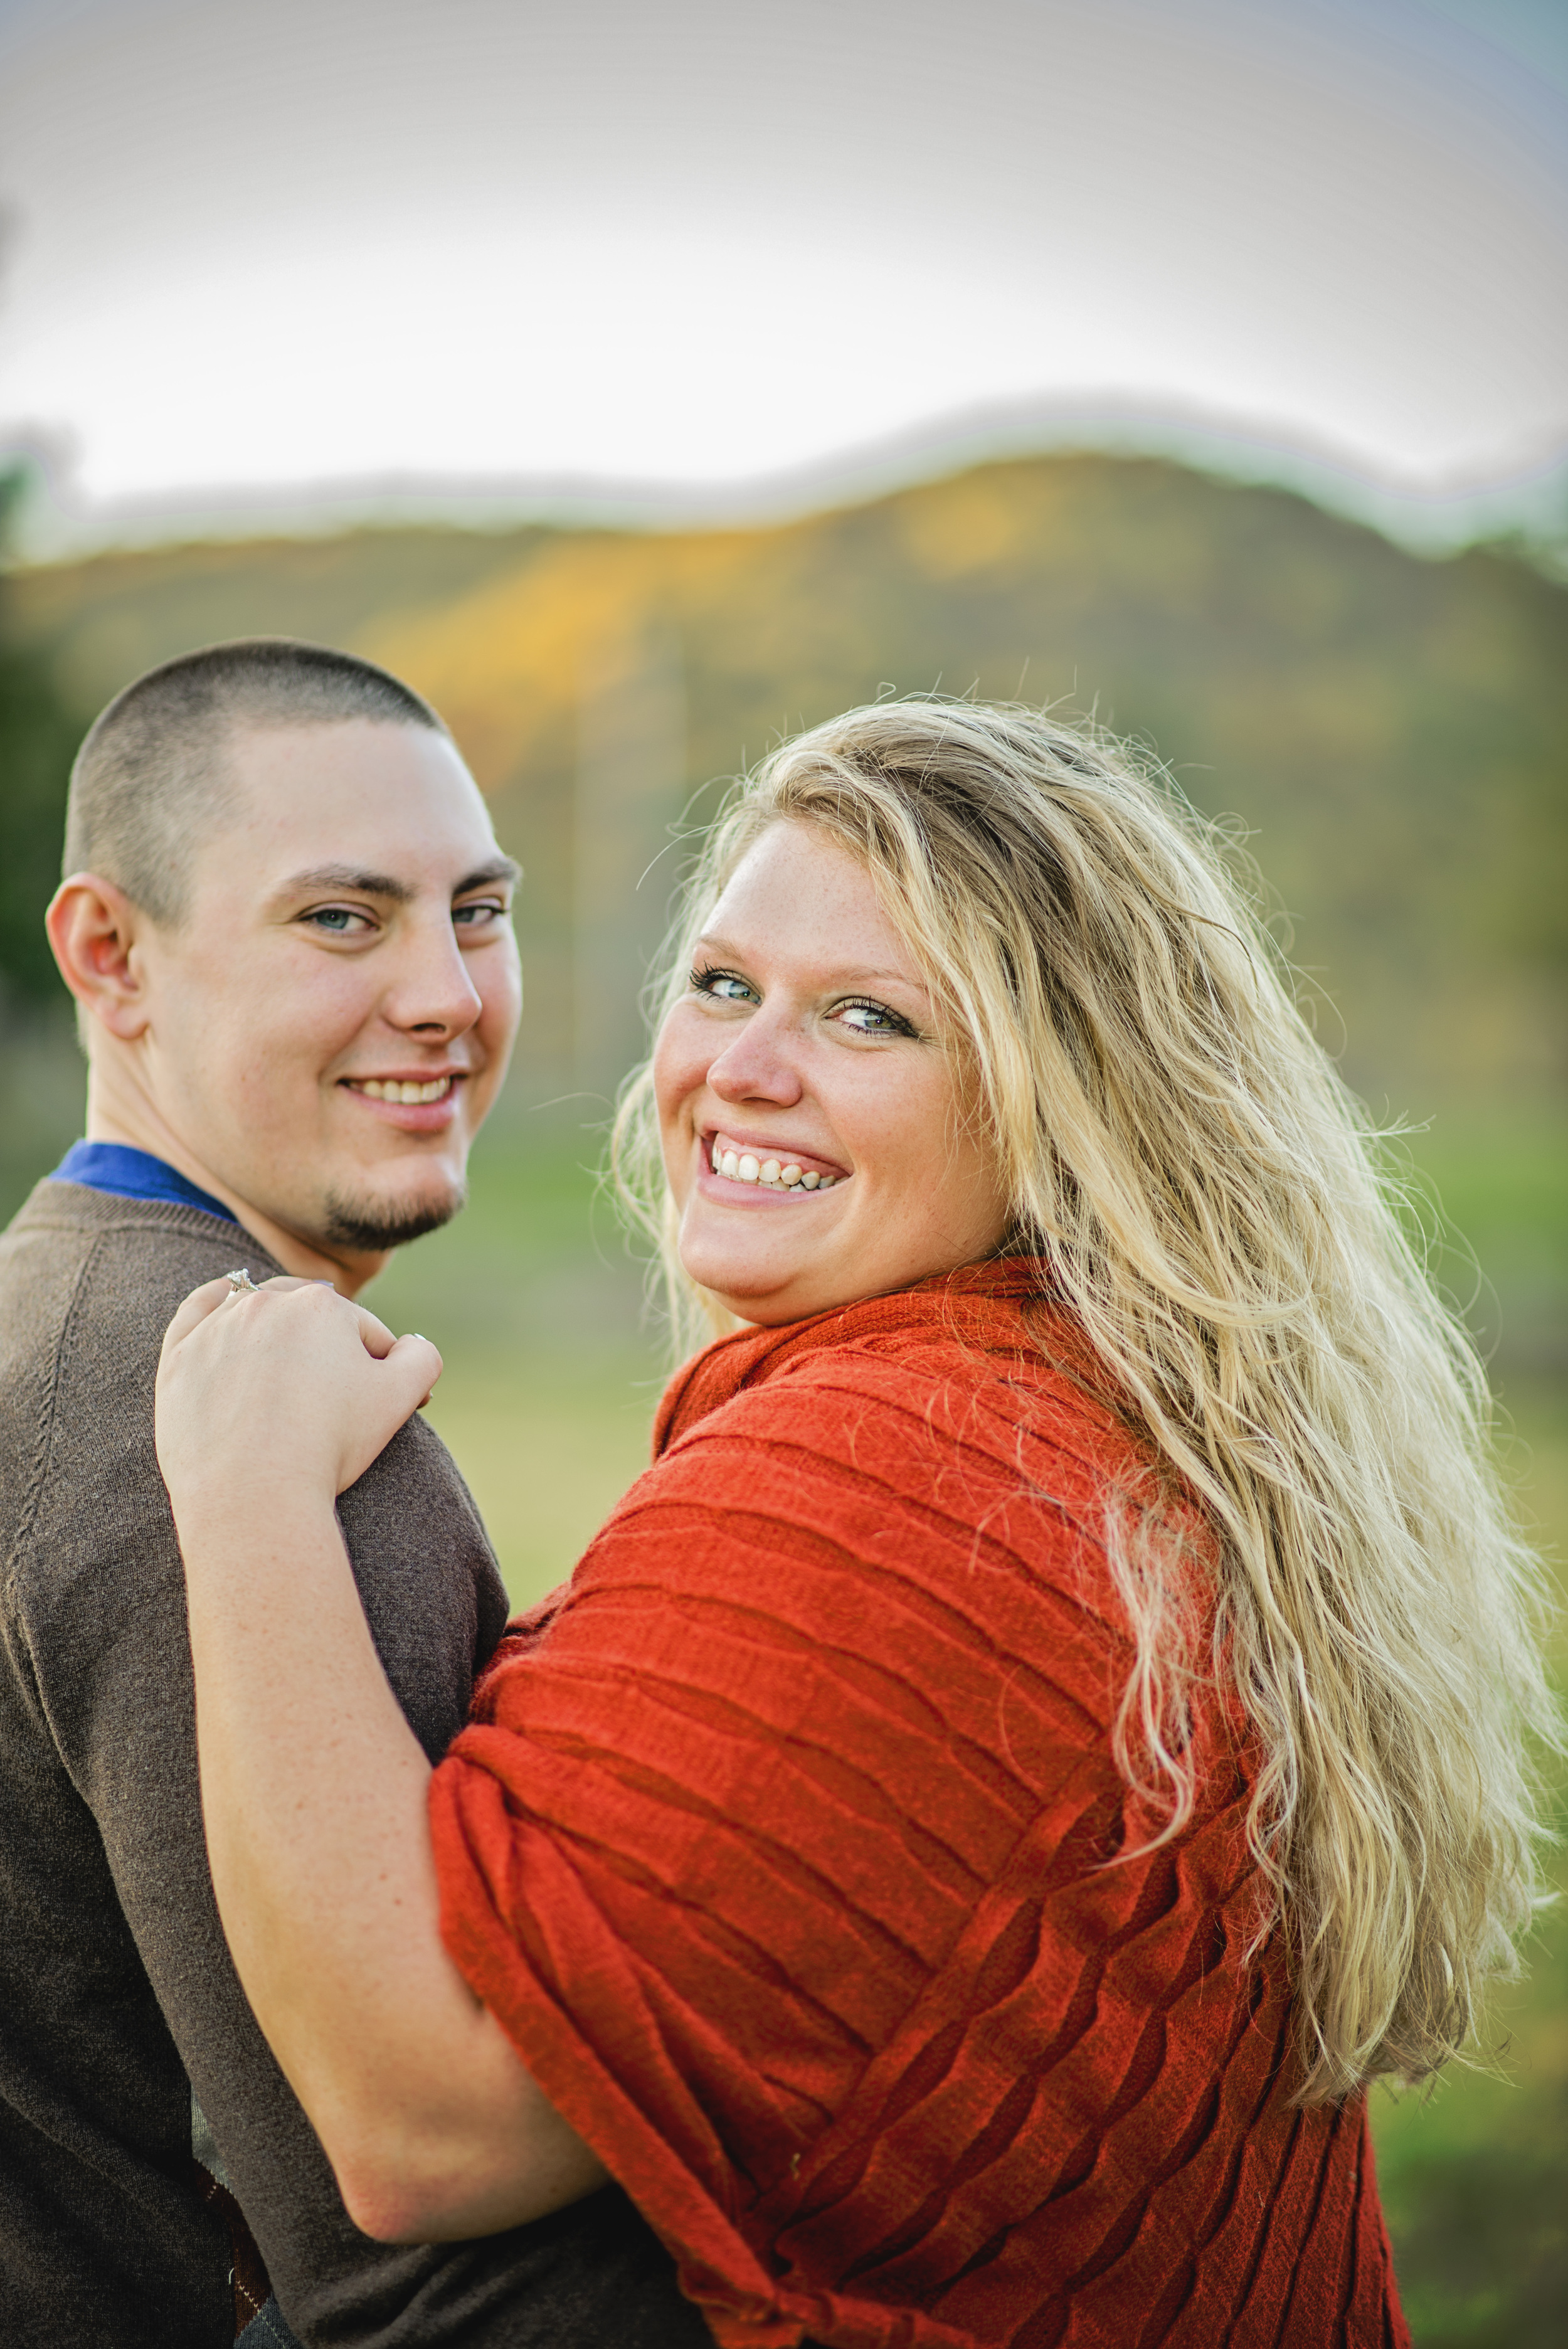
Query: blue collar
x=129 y=1173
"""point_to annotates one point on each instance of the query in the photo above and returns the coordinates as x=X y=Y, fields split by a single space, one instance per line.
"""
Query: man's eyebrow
x=499 y=868
x=328 y=877
x=354 y=878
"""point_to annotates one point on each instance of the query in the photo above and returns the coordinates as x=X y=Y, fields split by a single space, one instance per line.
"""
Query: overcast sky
x=254 y=248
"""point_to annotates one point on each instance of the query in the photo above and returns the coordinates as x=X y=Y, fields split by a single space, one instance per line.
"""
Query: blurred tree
x=39 y=737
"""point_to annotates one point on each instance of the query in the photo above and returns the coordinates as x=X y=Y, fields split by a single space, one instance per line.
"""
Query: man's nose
x=432 y=991
x=757 y=1064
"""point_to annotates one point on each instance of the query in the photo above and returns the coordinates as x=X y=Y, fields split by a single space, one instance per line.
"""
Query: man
x=286 y=924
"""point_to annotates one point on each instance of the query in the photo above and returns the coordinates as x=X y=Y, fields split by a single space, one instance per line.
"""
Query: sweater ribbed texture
x=778 y=1845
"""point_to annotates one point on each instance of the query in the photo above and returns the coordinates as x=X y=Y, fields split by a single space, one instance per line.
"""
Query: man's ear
x=95 y=932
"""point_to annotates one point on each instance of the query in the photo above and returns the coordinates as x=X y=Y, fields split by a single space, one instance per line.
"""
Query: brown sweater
x=116 y=1992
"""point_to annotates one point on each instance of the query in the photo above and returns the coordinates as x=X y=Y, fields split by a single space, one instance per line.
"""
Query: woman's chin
x=770 y=1304
x=739 y=1288
x=753 y=1284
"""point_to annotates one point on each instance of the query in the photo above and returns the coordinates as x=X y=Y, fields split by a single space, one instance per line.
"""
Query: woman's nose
x=756 y=1065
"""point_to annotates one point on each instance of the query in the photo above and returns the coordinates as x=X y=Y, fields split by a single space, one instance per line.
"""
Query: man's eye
x=480 y=914
x=339 y=921
x=723 y=986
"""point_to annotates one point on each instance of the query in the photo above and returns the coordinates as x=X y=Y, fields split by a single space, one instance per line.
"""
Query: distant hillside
x=1393 y=732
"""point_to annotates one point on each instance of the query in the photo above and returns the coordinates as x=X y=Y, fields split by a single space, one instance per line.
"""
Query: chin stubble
x=370 y=1230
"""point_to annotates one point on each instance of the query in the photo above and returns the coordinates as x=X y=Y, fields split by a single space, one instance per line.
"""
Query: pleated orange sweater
x=779 y=1844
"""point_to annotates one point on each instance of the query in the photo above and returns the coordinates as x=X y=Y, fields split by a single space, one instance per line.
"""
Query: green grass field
x=1475 y=2174
x=552 y=1374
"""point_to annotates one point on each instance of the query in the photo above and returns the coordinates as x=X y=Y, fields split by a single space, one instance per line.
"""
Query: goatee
x=371 y=1230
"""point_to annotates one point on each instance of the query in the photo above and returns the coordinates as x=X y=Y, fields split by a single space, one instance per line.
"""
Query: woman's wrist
x=262 y=1518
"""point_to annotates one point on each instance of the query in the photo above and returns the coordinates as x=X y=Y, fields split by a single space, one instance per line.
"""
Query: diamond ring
x=240 y=1283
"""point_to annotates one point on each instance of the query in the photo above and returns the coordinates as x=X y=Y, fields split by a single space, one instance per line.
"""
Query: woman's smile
x=757 y=1165
x=817 y=1138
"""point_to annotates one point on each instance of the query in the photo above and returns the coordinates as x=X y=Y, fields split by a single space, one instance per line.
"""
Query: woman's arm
x=313 y=1786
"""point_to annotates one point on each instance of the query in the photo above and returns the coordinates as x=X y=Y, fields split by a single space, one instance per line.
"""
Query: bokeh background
x=645 y=382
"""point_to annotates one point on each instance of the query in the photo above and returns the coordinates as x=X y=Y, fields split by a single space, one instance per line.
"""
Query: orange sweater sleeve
x=781 y=1853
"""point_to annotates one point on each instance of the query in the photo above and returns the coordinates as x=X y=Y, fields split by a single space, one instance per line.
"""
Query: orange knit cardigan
x=784 y=1845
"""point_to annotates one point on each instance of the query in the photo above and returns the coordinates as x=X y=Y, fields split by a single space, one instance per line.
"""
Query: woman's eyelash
x=706 y=978
x=897 y=1024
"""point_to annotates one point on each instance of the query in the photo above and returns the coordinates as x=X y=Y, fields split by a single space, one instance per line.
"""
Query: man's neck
x=140 y=1126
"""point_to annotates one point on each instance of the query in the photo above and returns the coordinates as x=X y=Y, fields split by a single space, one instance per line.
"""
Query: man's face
x=332 y=1021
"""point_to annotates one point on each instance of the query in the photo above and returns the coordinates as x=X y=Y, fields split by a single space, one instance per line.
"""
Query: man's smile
x=411 y=1104
x=408 y=1089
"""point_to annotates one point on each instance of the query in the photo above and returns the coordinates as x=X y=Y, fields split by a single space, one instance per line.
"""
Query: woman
x=1047 y=1729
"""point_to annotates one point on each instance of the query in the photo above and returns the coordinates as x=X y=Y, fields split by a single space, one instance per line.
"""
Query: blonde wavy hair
x=1209 y=1201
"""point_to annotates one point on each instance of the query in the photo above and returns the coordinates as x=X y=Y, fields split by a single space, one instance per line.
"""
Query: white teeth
x=395 y=1089
x=772 y=1173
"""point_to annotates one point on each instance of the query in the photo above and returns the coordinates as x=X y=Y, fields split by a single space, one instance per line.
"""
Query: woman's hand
x=312 y=1784
x=289 y=1380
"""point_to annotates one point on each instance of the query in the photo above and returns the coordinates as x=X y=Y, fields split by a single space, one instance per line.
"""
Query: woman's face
x=814 y=1133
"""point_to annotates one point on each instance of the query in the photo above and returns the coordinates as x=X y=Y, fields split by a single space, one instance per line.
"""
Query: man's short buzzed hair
x=152 y=780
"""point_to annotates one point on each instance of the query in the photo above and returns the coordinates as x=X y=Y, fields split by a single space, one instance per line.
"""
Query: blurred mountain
x=1391 y=733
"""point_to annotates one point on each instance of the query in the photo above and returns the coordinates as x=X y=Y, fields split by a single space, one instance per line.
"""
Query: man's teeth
x=773 y=1174
x=392 y=1090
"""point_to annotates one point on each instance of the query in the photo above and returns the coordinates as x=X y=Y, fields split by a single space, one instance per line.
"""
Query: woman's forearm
x=315 y=1792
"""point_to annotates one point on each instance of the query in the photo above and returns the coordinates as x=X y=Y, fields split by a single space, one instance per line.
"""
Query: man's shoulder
x=76 y=1211
x=93 y=1258
x=87 y=1285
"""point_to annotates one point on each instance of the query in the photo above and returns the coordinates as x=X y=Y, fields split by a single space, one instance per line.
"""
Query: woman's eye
x=866 y=1018
x=339 y=921
x=723 y=986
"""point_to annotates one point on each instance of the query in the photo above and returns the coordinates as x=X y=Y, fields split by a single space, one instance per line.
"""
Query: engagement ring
x=240 y=1283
